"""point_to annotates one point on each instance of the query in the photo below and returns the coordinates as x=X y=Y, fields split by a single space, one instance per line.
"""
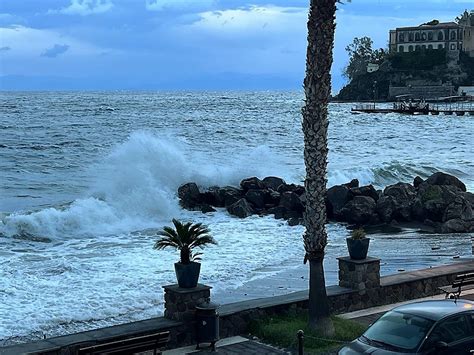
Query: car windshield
x=400 y=330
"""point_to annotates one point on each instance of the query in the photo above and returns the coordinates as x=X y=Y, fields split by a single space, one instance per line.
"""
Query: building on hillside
x=433 y=35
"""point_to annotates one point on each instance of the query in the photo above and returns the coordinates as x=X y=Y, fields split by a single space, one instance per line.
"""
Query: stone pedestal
x=359 y=275
x=180 y=302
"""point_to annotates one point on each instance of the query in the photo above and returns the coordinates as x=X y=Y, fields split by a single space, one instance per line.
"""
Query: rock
x=468 y=196
x=293 y=221
x=211 y=197
x=460 y=208
x=241 y=208
x=291 y=201
x=454 y=226
x=337 y=197
x=256 y=197
x=435 y=199
x=298 y=189
x=417 y=182
x=278 y=211
x=205 y=208
x=440 y=178
x=272 y=198
x=385 y=208
x=189 y=194
x=403 y=196
x=272 y=182
x=228 y=195
x=292 y=214
x=368 y=191
x=251 y=183
x=360 y=210
x=303 y=199
x=353 y=183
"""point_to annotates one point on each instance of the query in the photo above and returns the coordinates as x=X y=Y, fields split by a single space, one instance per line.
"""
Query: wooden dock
x=458 y=109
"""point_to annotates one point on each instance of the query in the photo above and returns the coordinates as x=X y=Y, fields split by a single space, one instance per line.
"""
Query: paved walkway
x=232 y=345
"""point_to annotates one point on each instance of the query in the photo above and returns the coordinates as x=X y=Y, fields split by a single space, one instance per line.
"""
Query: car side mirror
x=441 y=345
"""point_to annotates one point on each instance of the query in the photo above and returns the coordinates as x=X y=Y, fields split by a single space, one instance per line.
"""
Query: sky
x=184 y=44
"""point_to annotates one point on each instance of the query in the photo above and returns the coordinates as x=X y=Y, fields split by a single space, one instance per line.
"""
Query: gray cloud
x=2 y=49
x=55 y=51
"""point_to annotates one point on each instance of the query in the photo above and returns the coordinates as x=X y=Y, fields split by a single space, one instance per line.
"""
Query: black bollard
x=300 y=336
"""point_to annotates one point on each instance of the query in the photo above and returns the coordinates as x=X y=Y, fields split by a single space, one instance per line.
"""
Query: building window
x=410 y=36
x=430 y=36
x=417 y=47
x=440 y=46
x=410 y=48
x=423 y=36
x=423 y=47
x=430 y=46
x=401 y=49
x=417 y=36
x=401 y=37
x=453 y=46
x=440 y=36
x=453 y=35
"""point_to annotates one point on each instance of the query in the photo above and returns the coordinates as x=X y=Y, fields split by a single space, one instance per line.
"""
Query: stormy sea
x=87 y=179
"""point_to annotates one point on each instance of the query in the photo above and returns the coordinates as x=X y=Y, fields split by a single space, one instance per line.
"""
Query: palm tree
x=317 y=87
x=184 y=237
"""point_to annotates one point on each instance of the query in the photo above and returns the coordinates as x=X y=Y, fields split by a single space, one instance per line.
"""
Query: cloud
x=56 y=50
x=4 y=49
x=85 y=7
x=160 y=5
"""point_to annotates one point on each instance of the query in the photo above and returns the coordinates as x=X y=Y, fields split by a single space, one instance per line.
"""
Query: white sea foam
x=135 y=188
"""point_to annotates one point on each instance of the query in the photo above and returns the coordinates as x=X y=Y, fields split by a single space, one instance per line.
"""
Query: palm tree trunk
x=317 y=86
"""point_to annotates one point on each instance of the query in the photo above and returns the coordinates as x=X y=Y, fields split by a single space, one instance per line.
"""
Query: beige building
x=434 y=35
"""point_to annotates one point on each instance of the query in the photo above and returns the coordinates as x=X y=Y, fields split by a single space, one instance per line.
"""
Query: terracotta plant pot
x=358 y=248
x=187 y=274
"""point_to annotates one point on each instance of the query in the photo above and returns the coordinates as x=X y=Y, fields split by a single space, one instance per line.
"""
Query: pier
x=443 y=107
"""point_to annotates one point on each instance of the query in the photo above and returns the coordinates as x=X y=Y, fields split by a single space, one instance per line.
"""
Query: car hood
x=358 y=347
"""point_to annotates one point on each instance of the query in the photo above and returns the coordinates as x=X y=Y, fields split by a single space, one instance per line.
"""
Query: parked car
x=427 y=327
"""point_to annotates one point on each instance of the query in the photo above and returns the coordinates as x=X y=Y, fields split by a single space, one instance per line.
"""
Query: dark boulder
x=205 y=208
x=294 y=221
x=352 y=183
x=435 y=199
x=402 y=198
x=336 y=198
x=293 y=214
x=272 y=182
x=460 y=208
x=272 y=198
x=256 y=197
x=360 y=210
x=417 y=182
x=189 y=195
x=291 y=201
x=297 y=189
x=211 y=197
x=456 y=226
x=440 y=178
x=228 y=195
x=251 y=183
x=278 y=211
x=241 y=208
x=385 y=208
x=368 y=191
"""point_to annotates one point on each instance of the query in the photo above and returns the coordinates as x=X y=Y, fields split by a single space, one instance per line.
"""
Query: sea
x=88 y=178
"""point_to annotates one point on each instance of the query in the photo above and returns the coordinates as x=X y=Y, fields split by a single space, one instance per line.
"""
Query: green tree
x=317 y=87
x=361 y=53
x=466 y=18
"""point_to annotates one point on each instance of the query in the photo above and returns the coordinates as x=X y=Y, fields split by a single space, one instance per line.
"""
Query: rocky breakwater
x=441 y=202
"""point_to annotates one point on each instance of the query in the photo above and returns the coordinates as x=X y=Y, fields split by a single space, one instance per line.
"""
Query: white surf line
x=379 y=309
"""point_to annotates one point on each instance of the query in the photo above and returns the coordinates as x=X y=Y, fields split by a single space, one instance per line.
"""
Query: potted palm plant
x=185 y=238
x=358 y=244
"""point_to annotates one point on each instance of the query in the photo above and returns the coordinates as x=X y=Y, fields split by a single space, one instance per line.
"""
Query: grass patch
x=281 y=331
